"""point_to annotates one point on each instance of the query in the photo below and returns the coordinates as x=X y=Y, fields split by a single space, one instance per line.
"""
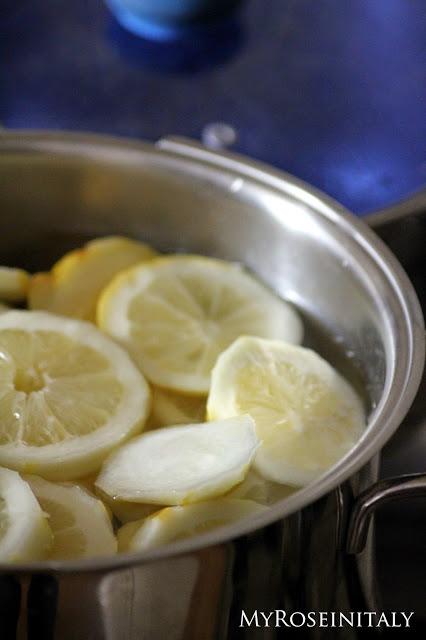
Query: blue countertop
x=333 y=91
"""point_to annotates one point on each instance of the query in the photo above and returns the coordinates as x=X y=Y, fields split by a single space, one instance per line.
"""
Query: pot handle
x=382 y=492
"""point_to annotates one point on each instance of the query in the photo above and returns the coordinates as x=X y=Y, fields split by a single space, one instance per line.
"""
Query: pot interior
x=56 y=196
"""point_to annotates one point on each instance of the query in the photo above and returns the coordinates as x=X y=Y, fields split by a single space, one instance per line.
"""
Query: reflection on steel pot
x=58 y=190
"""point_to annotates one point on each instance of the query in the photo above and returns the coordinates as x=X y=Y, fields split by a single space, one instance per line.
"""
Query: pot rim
x=397 y=397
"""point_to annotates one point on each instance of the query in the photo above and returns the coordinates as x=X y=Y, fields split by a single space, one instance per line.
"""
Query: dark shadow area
x=42 y=607
x=10 y=604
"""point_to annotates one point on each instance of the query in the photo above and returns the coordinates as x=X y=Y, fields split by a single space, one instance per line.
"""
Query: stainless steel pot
x=57 y=190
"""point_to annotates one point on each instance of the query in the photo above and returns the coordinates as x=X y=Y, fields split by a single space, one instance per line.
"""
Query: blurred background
x=333 y=91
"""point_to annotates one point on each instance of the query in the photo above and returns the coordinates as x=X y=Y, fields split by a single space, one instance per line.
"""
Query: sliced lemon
x=176 y=314
x=126 y=533
x=88 y=482
x=13 y=284
x=176 y=523
x=80 y=523
x=254 y=487
x=123 y=510
x=307 y=416
x=25 y=533
x=68 y=395
x=181 y=464
x=170 y=408
x=73 y=286
x=128 y=511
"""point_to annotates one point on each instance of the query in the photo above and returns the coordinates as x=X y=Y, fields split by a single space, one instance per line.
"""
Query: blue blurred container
x=168 y=19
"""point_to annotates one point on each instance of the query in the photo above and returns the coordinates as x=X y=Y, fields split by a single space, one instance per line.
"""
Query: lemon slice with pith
x=176 y=523
x=68 y=395
x=175 y=315
x=80 y=523
x=13 y=284
x=24 y=529
x=307 y=416
x=181 y=464
x=170 y=408
x=74 y=284
x=126 y=511
x=256 y=488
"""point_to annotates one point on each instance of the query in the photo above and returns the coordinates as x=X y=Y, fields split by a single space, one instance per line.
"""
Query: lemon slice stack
x=214 y=344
